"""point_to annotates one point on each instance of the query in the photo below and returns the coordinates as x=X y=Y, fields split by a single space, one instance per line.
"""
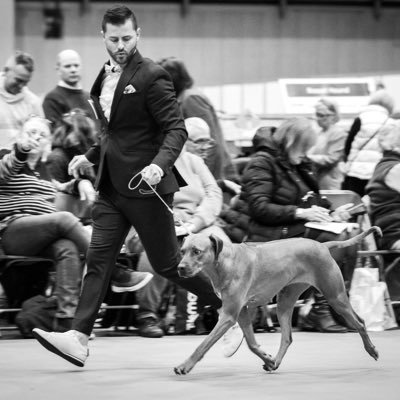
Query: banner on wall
x=300 y=95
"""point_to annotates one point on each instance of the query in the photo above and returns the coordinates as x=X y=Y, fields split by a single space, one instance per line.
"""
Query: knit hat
x=197 y=128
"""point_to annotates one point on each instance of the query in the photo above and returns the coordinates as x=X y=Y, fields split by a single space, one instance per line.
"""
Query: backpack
x=37 y=312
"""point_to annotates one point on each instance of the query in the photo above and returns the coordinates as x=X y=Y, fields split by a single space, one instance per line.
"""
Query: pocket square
x=129 y=89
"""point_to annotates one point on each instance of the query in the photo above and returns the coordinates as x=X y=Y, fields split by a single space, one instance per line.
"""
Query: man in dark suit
x=143 y=134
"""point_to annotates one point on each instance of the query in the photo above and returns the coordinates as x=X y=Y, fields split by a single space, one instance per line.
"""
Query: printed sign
x=351 y=94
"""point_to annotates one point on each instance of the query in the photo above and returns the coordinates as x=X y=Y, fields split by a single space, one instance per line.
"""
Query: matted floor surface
x=316 y=367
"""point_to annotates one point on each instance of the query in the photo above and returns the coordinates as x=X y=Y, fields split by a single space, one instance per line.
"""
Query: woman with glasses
x=328 y=152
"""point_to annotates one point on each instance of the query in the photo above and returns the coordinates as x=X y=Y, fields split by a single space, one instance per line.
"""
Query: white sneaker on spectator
x=232 y=340
x=66 y=345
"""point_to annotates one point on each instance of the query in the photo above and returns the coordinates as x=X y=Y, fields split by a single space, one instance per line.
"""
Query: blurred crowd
x=272 y=193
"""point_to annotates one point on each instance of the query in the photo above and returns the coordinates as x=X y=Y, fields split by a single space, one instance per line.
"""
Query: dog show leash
x=179 y=220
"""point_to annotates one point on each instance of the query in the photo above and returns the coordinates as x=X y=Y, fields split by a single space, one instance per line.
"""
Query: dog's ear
x=217 y=244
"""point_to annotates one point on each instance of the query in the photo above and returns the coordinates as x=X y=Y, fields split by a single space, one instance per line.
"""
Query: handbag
x=370 y=299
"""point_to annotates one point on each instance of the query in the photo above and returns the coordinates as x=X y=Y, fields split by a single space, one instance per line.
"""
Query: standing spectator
x=194 y=103
x=362 y=150
x=68 y=94
x=328 y=151
x=17 y=102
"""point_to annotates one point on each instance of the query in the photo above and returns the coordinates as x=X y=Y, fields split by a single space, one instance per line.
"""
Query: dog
x=248 y=275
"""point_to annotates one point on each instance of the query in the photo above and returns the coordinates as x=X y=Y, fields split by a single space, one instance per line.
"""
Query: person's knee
x=65 y=220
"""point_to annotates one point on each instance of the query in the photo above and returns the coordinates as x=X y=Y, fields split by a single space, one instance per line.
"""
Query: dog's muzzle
x=185 y=271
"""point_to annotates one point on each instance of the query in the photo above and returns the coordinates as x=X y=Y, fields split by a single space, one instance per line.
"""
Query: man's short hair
x=117 y=15
x=21 y=58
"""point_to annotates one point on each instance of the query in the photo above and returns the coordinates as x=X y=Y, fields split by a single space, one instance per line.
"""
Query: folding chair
x=17 y=270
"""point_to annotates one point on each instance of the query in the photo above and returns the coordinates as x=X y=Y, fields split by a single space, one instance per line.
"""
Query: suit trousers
x=113 y=215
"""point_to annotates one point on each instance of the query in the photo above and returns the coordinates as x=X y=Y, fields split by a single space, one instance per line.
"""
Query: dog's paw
x=373 y=353
x=182 y=369
x=270 y=363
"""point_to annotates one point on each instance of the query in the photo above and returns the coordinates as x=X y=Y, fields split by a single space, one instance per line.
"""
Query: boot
x=320 y=318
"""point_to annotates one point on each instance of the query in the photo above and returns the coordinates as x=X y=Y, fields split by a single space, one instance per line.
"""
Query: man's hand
x=86 y=191
x=152 y=174
x=78 y=165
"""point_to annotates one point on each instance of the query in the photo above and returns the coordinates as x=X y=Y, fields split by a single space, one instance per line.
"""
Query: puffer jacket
x=272 y=190
x=365 y=151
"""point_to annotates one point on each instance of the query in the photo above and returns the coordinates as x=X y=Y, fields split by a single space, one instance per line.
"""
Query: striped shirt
x=22 y=191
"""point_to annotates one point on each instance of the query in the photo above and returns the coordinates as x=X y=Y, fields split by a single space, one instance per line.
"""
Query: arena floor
x=317 y=366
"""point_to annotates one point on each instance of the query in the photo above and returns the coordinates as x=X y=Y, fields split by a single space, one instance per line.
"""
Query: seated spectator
x=202 y=144
x=196 y=208
x=362 y=150
x=30 y=224
x=328 y=151
x=384 y=188
x=74 y=135
x=275 y=200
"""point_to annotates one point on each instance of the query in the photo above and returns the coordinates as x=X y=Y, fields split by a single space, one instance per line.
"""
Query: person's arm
x=354 y=129
x=53 y=108
x=335 y=150
x=164 y=108
x=258 y=188
x=208 y=210
x=392 y=179
x=11 y=163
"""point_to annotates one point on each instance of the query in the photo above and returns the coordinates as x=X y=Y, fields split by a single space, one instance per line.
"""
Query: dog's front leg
x=245 y=322
x=224 y=323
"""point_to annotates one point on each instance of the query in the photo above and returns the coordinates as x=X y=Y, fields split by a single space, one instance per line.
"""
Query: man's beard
x=127 y=56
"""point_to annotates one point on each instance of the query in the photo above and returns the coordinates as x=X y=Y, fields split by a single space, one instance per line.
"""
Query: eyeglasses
x=321 y=115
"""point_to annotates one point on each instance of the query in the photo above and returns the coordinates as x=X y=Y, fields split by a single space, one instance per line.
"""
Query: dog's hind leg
x=286 y=301
x=334 y=291
x=245 y=323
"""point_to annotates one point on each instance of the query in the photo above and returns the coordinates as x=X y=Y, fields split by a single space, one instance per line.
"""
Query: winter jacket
x=385 y=201
x=365 y=151
x=272 y=190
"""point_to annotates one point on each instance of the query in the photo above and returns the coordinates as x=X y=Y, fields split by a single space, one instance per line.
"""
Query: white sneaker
x=65 y=345
x=232 y=340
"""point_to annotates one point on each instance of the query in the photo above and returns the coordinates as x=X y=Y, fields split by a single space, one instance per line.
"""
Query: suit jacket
x=145 y=127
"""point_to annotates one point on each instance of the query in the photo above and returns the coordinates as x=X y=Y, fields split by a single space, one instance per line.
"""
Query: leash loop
x=154 y=191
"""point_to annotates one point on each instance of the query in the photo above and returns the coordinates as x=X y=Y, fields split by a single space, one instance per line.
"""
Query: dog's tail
x=354 y=240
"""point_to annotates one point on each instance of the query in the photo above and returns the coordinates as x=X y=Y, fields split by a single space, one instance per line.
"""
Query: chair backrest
x=341 y=197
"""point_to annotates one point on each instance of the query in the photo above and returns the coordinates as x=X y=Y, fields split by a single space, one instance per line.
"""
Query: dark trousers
x=113 y=215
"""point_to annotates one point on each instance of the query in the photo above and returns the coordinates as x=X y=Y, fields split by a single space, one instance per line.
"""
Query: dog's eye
x=196 y=252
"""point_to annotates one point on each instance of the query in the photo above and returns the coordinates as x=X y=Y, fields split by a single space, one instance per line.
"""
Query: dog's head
x=198 y=252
